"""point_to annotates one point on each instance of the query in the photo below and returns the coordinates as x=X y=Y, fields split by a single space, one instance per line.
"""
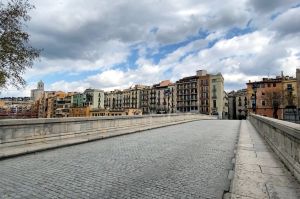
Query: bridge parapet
x=29 y=135
x=284 y=139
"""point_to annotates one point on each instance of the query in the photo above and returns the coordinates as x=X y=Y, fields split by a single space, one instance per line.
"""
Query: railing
x=284 y=139
x=30 y=131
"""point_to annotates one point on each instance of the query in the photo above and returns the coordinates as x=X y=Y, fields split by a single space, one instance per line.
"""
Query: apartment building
x=62 y=105
x=54 y=104
x=132 y=97
x=217 y=96
x=274 y=97
x=77 y=100
x=231 y=105
x=147 y=101
x=187 y=94
x=238 y=104
x=165 y=97
x=225 y=106
x=94 y=98
x=113 y=100
x=45 y=104
x=79 y=112
x=17 y=107
x=202 y=93
x=241 y=104
x=264 y=97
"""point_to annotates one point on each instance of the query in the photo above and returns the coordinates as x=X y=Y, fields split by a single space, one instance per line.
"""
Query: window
x=263 y=103
x=215 y=104
x=213 y=80
x=274 y=84
x=269 y=85
x=262 y=93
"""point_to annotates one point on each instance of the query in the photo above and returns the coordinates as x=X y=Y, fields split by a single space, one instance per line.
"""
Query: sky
x=116 y=44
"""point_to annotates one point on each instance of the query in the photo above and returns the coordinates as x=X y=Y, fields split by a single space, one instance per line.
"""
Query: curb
x=227 y=193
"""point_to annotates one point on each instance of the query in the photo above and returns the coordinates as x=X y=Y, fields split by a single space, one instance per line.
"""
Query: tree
x=16 y=54
x=274 y=100
x=289 y=97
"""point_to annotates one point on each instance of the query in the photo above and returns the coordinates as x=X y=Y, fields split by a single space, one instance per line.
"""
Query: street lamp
x=254 y=87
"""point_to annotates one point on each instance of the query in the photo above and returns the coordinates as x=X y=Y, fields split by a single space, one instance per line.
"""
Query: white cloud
x=287 y=23
x=108 y=78
x=79 y=36
x=75 y=86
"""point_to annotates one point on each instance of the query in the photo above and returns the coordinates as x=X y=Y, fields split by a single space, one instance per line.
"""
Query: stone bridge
x=158 y=156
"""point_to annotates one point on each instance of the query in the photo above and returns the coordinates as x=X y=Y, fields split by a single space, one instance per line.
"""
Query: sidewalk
x=258 y=171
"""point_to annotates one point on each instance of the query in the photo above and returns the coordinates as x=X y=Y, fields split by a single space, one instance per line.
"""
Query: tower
x=40 y=85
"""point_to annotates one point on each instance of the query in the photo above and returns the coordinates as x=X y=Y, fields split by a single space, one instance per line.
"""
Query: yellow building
x=2 y=104
x=54 y=104
x=79 y=112
x=298 y=86
x=289 y=92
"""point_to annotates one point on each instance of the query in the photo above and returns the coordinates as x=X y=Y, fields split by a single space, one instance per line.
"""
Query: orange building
x=266 y=95
x=272 y=96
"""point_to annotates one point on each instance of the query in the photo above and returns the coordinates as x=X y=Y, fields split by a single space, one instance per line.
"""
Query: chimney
x=298 y=74
x=201 y=72
x=282 y=74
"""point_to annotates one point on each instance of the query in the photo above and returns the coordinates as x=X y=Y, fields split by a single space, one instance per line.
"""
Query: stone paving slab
x=6 y=152
x=282 y=192
x=258 y=171
x=190 y=160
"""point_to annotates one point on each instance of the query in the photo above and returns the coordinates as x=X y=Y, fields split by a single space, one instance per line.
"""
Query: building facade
x=165 y=97
x=217 y=96
x=231 y=105
x=146 y=100
x=113 y=100
x=38 y=92
x=94 y=98
x=241 y=104
x=79 y=112
x=274 y=97
x=187 y=94
x=132 y=97
x=298 y=87
x=202 y=93
x=17 y=108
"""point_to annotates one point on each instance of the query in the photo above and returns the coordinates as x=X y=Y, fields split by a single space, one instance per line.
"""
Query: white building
x=217 y=95
x=94 y=98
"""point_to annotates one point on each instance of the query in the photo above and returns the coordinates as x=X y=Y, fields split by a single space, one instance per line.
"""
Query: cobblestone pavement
x=189 y=160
